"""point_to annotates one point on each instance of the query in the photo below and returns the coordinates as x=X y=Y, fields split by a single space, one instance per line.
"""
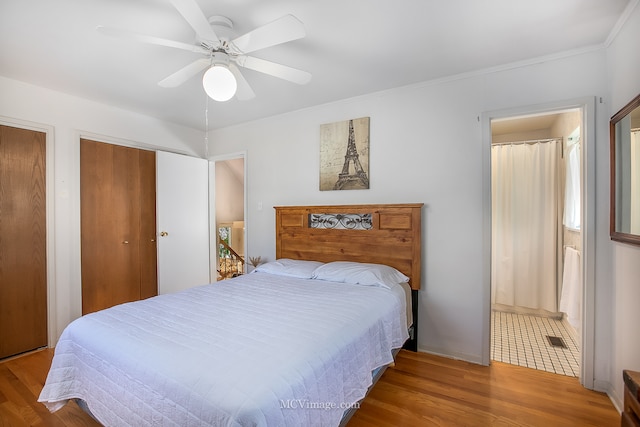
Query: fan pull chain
x=206 y=116
x=206 y=128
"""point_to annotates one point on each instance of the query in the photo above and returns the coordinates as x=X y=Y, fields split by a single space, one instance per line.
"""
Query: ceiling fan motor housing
x=219 y=58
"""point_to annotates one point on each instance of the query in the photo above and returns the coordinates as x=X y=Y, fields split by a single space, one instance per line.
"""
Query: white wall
x=70 y=117
x=426 y=146
x=623 y=66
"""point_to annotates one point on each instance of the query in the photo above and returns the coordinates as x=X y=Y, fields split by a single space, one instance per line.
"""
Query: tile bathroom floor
x=521 y=339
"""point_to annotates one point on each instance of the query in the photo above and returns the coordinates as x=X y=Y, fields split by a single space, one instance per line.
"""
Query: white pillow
x=360 y=273
x=289 y=267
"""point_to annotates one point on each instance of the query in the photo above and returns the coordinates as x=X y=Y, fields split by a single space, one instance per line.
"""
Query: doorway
x=536 y=291
x=563 y=124
x=229 y=216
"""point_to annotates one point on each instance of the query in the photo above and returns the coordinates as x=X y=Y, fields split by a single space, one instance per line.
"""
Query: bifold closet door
x=118 y=247
x=23 y=259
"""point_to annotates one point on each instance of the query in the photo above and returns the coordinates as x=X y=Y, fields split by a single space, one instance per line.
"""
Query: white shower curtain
x=524 y=180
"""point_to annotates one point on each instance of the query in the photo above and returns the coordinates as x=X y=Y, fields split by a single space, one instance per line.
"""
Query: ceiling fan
x=222 y=56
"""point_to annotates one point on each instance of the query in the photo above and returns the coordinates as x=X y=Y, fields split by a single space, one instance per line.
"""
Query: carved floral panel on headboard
x=341 y=221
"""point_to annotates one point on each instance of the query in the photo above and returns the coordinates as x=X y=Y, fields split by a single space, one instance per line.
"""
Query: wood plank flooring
x=21 y=380
x=421 y=390
x=427 y=390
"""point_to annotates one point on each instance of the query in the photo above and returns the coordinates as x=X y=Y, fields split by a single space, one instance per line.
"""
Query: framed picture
x=344 y=155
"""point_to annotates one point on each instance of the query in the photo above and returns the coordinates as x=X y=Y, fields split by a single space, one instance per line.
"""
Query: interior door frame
x=586 y=106
x=213 y=237
x=52 y=330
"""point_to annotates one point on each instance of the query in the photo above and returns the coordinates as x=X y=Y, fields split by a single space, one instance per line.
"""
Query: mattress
x=256 y=350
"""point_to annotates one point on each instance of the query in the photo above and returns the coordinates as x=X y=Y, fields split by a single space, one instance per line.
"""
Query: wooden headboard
x=382 y=234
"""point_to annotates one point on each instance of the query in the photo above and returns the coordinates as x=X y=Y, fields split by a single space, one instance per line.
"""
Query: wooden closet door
x=23 y=261
x=117 y=224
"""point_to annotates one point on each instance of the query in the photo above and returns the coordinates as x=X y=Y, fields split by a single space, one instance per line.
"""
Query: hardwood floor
x=429 y=390
x=421 y=390
x=21 y=380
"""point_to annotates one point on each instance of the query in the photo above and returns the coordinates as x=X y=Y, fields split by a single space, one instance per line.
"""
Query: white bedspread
x=258 y=350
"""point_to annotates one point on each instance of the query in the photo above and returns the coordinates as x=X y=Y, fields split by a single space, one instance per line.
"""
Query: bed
x=293 y=343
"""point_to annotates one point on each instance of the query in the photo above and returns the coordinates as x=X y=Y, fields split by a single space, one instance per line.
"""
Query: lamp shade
x=219 y=83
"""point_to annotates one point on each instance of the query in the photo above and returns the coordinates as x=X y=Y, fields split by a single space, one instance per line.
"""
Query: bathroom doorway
x=536 y=241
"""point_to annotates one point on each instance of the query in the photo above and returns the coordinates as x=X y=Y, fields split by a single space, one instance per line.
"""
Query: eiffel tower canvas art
x=344 y=155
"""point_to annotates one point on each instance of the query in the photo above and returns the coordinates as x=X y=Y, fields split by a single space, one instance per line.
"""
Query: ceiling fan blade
x=128 y=35
x=276 y=70
x=279 y=31
x=244 y=91
x=184 y=74
x=192 y=13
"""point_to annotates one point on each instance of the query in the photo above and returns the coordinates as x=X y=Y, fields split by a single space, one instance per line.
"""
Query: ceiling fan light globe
x=219 y=83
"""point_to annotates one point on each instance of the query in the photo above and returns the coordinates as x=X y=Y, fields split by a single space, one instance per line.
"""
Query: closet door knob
x=126 y=242
x=163 y=234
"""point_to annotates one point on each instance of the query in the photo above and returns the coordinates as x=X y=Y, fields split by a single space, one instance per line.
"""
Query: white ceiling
x=352 y=47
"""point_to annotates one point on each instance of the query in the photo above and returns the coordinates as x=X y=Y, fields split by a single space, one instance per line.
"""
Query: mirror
x=625 y=174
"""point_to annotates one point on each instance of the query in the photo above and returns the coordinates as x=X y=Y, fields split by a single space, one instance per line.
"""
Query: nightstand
x=630 y=416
